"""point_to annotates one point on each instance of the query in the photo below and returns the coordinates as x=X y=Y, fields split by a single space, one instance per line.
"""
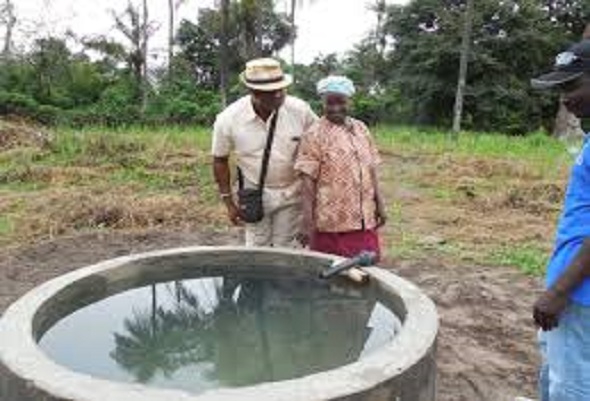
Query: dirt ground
x=449 y=216
x=486 y=345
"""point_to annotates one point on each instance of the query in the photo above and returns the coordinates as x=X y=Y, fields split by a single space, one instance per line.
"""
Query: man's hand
x=552 y=303
x=223 y=178
x=548 y=308
x=233 y=213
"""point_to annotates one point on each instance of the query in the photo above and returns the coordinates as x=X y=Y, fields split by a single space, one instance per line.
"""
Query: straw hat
x=265 y=74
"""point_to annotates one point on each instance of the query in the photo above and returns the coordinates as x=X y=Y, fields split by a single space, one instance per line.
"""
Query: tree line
x=406 y=67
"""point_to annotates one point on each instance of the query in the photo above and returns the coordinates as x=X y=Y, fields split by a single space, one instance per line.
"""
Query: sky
x=325 y=26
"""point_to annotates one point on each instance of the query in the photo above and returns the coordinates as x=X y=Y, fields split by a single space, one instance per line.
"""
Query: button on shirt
x=340 y=159
x=574 y=225
x=239 y=129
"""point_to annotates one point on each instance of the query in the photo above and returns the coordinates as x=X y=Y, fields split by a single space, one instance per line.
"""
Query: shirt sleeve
x=222 y=144
x=373 y=149
x=309 y=155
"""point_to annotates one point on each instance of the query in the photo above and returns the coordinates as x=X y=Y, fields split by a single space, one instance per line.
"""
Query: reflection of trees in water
x=253 y=331
x=164 y=340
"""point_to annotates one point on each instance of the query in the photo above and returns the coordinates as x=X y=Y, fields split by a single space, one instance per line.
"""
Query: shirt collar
x=348 y=124
x=249 y=112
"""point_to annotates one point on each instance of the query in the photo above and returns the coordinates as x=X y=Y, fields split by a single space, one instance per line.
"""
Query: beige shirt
x=239 y=129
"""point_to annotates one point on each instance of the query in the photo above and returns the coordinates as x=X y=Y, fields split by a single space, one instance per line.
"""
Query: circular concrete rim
x=20 y=354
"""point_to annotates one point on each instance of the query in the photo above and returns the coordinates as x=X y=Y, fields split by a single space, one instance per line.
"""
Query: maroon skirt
x=346 y=244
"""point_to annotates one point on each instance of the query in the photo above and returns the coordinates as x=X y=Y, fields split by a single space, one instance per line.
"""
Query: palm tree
x=164 y=340
x=271 y=331
x=294 y=5
x=172 y=7
x=250 y=16
x=144 y=52
x=171 y=11
x=8 y=17
x=224 y=52
x=134 y=25
x=380 y=8
x=465 y=49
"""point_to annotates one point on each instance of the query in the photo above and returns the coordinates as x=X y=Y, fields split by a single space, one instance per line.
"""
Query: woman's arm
x=381 y=212
x=308 y=194
x=307 y=166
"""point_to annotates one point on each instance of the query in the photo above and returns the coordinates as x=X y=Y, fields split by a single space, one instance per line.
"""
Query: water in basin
x=222 y=331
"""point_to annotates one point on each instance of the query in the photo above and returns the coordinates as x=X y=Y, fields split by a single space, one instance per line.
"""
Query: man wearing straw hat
x=262 y=131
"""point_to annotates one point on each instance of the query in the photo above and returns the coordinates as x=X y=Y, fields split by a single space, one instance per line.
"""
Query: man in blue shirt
x=562 y=312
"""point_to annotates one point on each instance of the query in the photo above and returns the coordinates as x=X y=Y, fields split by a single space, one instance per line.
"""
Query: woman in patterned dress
x=337 y=162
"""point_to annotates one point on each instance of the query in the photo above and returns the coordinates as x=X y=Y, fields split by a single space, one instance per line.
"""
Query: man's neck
x=263 y=114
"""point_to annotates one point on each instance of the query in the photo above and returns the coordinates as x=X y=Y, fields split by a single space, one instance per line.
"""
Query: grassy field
x=485 y=199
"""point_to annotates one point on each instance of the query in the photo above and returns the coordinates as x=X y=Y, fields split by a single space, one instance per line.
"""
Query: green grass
x=206 y=184
x=7 y=218
x=444 y=193
x=406 y=247
x=134 y=155
x=101 y=145
x=543 y=151
x=480 y=144
x=138 y=148
x=6 y=226
x=175 y=161
x=529 y=258
x=105 y=143
x=138 y=175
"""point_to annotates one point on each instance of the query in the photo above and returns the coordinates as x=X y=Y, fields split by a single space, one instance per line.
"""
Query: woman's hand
x=305 y=232
x=307 y=205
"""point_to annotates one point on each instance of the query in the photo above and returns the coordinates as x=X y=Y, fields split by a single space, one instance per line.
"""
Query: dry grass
x=64 y=212
x=473 y=209
x=21 y=134
x=102 y=180
x=481 y=199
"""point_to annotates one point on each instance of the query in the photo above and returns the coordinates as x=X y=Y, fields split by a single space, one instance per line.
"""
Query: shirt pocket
x=293 y=142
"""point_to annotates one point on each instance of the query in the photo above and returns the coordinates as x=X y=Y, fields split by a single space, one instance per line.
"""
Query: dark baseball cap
x=569 y=66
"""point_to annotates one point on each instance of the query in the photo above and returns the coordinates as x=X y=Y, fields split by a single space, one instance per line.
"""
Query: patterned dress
x=340 y=159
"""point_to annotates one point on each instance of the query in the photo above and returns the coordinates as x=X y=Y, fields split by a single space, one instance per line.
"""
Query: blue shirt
x=574 y=225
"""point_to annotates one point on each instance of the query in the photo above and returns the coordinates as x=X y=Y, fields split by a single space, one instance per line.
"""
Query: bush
x=183 y=104
x=17 y=104
x=82 y=117
x=118 y=105
x=379 y=108
x=48 y=115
